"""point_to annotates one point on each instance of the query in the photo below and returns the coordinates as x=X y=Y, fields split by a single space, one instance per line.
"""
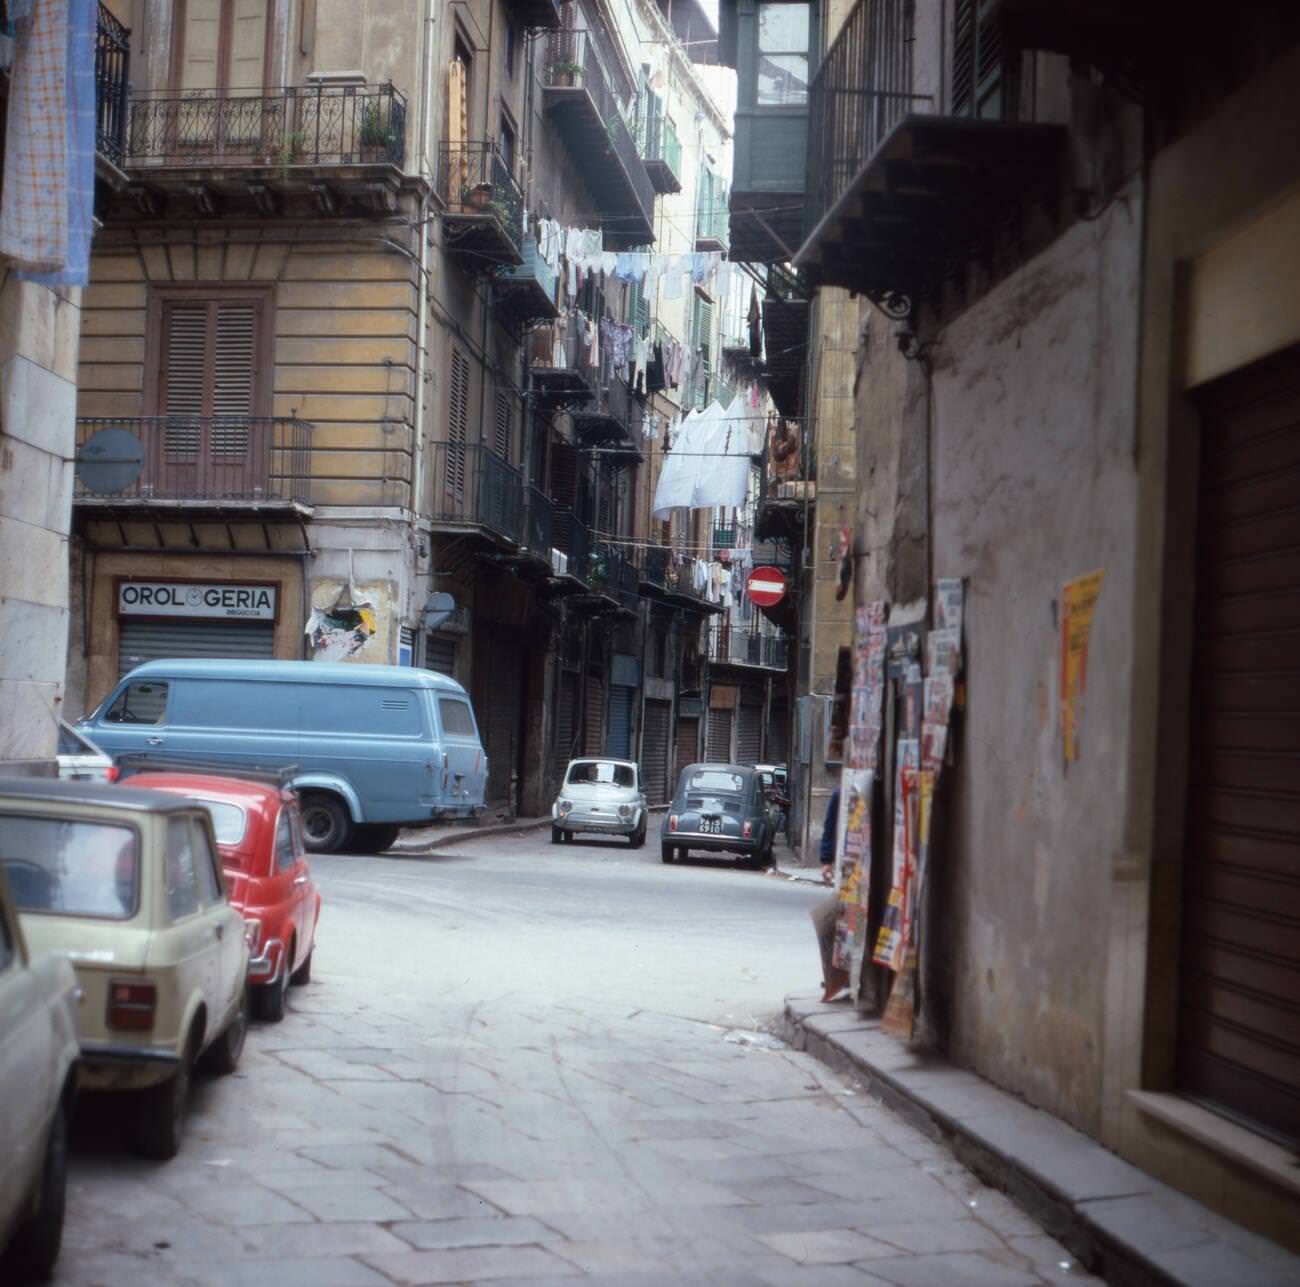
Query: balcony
x=319 y=149
x=656 y=567
x=560 y=372
x=785 y=329
x=711 y=224
x=605 y=420
x=526 y=292
x=483 y=207
x=576 y=95
x=474 y=487
x=731 y=647
x=572 y=542
x=539 y=526
x=257 y=464
x=614 y=575
x=112 y=76
x=688 y=586
x=900 y=198
x=662 y=152
x=787 y=484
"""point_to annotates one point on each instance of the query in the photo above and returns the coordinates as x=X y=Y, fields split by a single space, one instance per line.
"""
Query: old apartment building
x=360 y=316
x=1073 y=393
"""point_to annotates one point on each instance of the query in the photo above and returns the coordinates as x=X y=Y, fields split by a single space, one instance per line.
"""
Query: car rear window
x=70 y=867
x=456 y=718
x=587 y=771
x=716 y=780
x=229 y=821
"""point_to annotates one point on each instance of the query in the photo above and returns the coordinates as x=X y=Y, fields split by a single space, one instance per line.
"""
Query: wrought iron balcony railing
x=572 y=539
x=861 y=90
x=540 y=524
x=476 y=186
x=474 y=486
x=207 y=458
x=112 y=75
x=660 y=146
x=656 y=564
x=733 y=647
x=559 y=363
x=294 y=126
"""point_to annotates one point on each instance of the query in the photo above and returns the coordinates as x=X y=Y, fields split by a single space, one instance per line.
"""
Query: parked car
x=259 y=836
x=127 y=885
x=602 y=796
x=38 y=1062
x=719 y=808
x=777 y=789
x=80 y=760
x=374 y=748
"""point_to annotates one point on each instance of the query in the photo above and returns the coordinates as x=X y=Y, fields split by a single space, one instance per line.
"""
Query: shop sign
x=190 y=599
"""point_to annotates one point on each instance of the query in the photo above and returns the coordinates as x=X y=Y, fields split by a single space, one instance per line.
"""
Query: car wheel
x=325 y=823
x=303 y=973
x=557 y=836
x=666 y=852
x=160 y=1113
x=222 y=1055
x=373 y=837
x=269 y=999
x=35 y=1247
x=637 y=838
x=568 y=837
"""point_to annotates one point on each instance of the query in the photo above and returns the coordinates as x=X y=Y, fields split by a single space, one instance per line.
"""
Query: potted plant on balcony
x=564 y=72
x=375 y=137
x=476 y=197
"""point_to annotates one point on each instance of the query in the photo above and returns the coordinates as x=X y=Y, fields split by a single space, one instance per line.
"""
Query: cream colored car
x=127 y=885
x=38 y=1058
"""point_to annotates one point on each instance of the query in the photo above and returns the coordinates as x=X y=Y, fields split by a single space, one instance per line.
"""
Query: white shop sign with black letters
x=195 y=600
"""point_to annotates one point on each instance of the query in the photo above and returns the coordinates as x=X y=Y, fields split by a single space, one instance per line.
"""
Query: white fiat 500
x=600 y=796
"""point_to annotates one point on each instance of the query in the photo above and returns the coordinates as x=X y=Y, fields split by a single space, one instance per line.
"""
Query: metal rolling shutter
x=593 y=722
x=749 y=732
x=778 y=733
x=718 y=749
x=688 y=741
x=619 y=741
x=566 y=717
x=141 y=641
x=654 y=751
x=1239 y=996
x=440 y=655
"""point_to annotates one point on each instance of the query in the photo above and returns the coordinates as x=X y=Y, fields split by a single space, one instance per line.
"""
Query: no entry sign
x=766 y=586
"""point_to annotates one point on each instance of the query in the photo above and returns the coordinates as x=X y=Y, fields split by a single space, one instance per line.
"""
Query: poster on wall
x=889 y=939
x=1078 y=605
x=854 y=873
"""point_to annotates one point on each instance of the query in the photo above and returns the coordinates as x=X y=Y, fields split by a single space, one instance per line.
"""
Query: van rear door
x=464 y=776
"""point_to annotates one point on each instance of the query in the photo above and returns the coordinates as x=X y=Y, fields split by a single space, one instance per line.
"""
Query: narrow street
x=519 y=1062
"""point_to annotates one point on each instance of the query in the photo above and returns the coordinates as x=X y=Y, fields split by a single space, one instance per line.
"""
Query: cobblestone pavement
x=514 y=1131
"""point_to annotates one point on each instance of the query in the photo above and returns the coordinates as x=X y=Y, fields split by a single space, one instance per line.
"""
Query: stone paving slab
x=1117 y=1219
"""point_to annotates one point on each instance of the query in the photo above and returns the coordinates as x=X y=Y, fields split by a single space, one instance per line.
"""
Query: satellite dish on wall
x=438 y=609
x=109 y=461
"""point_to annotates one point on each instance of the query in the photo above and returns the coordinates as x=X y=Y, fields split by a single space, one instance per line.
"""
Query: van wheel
x=325 y=823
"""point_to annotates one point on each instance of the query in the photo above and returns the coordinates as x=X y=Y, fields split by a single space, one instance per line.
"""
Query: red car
x=259 y=834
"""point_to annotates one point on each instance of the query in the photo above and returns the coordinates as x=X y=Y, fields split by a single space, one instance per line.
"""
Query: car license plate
x=711 y=826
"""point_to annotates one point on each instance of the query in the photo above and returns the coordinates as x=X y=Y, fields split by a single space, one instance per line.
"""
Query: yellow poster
x=1078 y=602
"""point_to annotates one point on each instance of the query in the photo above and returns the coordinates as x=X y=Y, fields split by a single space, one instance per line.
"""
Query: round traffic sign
x=109 y=461
x=766 y=586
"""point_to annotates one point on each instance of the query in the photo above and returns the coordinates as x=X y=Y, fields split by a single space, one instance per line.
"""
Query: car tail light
x=672 y=822
x=747 y=830
x=112 y=773
x=131 y=1006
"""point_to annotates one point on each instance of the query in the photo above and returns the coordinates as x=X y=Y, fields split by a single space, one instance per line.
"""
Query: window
x=457 y=718
x=140 y=702
x=457 y=424
x=228 y=821
x=207 y=873
x=591 y=772
x=222 y=46
x=506 y=145
x=980 y=82
x=71 y=868
x=782 y=66
x=716 y=780
x=510 y=43
x=504 y=425
x=182 y=883
x=286 y=854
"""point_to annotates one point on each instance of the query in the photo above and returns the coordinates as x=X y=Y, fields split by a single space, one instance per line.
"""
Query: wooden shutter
x=980 y=78
x=184 y=366
x=201 y=55
x=457 y=423
x=503 y=426
x=247 y=46
x=234 y=369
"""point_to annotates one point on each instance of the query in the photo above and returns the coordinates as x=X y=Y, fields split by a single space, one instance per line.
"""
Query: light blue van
x=374 y=748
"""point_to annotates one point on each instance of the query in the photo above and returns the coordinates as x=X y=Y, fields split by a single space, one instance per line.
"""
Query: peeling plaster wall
x=1034 y=483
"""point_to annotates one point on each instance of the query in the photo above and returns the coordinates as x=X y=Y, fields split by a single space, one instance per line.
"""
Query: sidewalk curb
x=459 y=835
x=1119 y=1222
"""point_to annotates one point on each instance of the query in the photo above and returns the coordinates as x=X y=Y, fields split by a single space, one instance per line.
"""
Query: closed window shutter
x=504 y=425
x=457 y=423
x=234 y=369
x=979 y=63
x=185 y=342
